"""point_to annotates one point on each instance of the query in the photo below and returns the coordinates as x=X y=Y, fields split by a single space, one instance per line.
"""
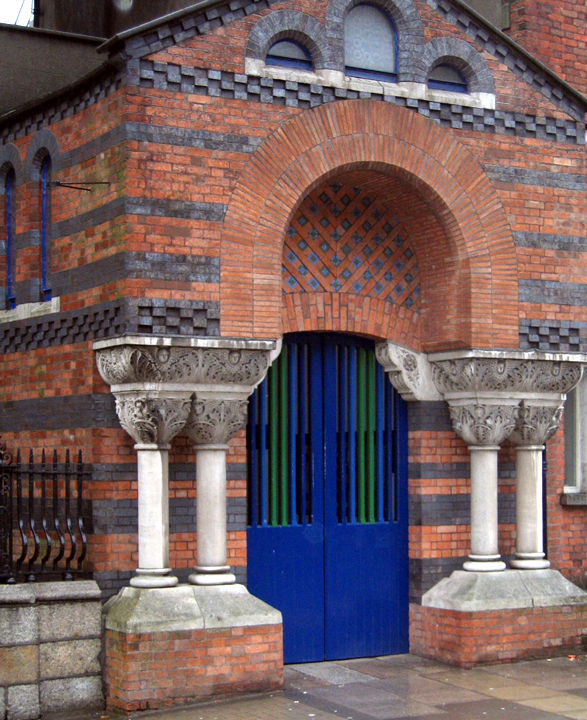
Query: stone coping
x=502 y=354
x=509 y=589
x=58 y=591
x=136 y=611
x=188 y=342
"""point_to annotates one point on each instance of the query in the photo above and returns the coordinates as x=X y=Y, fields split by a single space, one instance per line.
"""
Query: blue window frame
x=370 y=44
x=288 y=53
x=45 y=224
x=9 y=192
x=446 y=77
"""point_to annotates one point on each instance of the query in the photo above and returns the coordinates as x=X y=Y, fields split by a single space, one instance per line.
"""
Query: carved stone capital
x=152 y=420
x=220 y=363
x=409 y=372
x=536 y=423
x=483 y=424
x=214 y=421
x=504 y=374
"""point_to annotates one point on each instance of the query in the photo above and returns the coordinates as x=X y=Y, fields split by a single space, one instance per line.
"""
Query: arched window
x=446 y=77
x=287 y=53
x=370 y=44
x=9 y=192
x=45 y=224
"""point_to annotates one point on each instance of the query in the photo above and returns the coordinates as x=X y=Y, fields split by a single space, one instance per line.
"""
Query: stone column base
x=474 y=619
x=167 y=646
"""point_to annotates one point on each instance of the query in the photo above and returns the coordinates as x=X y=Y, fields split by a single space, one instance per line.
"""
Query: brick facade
x=206 y=166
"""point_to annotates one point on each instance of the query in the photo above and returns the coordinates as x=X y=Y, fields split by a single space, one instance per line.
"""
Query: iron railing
x=42 y=533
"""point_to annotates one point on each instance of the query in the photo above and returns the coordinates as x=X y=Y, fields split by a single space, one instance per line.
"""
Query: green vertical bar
x=283 y=437
x=273 y=449
x=361 y=435
x=371 y=437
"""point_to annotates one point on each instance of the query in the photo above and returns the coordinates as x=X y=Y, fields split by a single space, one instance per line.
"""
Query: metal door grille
x=359 y=431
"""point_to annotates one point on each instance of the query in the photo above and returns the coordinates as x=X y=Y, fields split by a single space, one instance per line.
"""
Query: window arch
x=447 y=77
x=9 y=186
x=288 y=53
x=370 y=44
x=45 y=183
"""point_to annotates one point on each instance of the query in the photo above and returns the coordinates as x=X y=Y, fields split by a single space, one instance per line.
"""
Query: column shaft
x=153 y=501
x=529 y=524
x=211 y=568
x=484 y=556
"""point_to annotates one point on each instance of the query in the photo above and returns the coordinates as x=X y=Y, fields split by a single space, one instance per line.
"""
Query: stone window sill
x=337 y=79
x=574 y=498
x=29 y=310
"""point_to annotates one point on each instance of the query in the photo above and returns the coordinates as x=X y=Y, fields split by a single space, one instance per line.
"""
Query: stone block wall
x=50 y=649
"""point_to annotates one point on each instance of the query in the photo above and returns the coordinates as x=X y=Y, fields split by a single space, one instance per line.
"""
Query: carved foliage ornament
x=152 y=420
x=497 y=374
x=483 y=424
x=131 y=364
x=403 y=370
x=215 y=422
x=536 y=424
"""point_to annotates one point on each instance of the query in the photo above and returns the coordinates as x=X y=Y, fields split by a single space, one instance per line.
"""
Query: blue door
x=327 y=468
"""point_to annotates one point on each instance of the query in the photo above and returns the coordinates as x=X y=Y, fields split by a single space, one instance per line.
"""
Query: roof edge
x=581 y=99
x=119 y=38
x=107 y=66
x=91 y=39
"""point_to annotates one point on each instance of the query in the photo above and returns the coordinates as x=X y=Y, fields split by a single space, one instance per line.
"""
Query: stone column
x=211 y=424
x=483 y=426
x=538 y=420
x=152 y=419
x=492 y=394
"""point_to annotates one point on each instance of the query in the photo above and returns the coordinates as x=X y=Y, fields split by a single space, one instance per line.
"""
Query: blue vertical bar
x=342 y=411
x=252 y=430
x=44 y=223
x=263 y=452
x=390 y=450
x=379 y=469
x=292 y=368
x=9 y=234
x=331 y=516
x=302 y=430
x=352 y=406
x=315 y=370
x=400 y=445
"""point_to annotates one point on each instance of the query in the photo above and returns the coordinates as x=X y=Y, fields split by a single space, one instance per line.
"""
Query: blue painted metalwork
x=45 y=177
x=9 y=188
x=340 y=581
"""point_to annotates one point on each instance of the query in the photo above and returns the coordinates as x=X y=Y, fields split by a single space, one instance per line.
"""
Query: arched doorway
x=327 y=530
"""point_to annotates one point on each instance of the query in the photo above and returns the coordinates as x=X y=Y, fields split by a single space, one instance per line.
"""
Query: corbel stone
x=409 y=372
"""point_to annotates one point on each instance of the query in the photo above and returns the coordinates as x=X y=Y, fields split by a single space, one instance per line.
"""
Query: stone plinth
x=473 y=619
x=166 y=646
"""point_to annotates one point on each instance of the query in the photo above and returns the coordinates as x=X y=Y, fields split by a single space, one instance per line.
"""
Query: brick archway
x=470 y=294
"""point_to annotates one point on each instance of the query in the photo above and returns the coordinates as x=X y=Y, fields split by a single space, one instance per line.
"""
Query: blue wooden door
x=327 y=535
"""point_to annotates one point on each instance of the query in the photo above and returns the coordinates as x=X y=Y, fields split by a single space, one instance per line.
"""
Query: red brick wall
x=467 y=639
x=154 y=670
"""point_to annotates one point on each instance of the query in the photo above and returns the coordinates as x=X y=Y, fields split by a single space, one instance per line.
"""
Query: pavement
x=410 y=688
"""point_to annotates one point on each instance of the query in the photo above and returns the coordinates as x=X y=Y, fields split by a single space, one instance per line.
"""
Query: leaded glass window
x=370 y=44
x=287 y=53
